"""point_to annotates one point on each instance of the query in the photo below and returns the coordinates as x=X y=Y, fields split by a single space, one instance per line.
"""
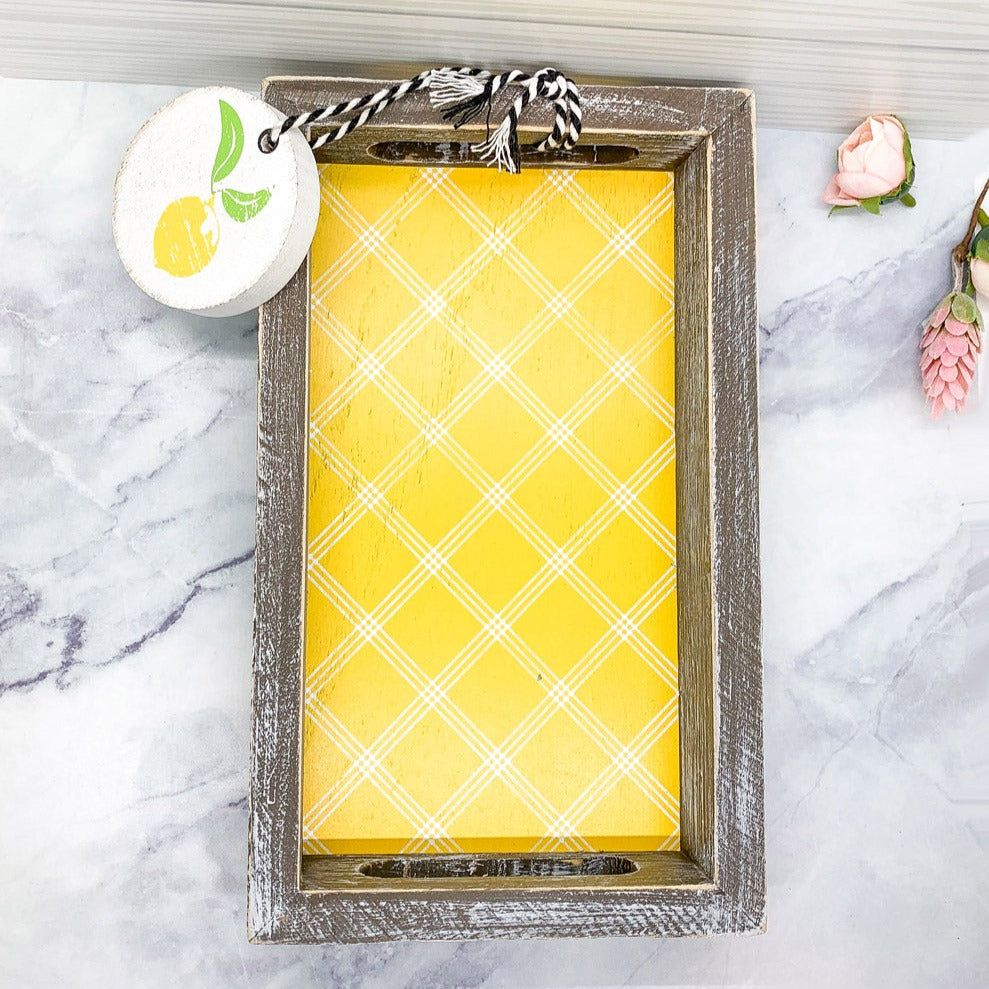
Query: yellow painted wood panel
x=491 y=595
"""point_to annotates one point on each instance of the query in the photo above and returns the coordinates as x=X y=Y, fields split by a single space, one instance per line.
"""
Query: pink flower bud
x=949 y=347
x=874 y=164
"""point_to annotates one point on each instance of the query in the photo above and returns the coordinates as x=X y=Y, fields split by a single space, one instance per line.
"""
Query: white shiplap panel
x=812 y=65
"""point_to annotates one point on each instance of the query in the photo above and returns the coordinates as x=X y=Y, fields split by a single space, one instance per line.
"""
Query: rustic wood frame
x=716 y=883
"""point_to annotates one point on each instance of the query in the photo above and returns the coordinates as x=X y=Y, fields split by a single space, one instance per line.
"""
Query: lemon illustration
x=186 y=236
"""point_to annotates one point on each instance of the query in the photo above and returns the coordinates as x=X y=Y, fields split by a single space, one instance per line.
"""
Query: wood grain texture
x=717 y=884
x=821 y=65
x=692 y=248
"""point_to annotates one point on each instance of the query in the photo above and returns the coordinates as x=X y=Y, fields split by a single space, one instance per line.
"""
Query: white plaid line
x=626 y=238
x=496 y=495
x=560 y=178
x=334 y=729
x=434 y=561
x=646 y=217
x=496 y=762
x=540 y=585
x=624 y=627
x=560 y=561
x=644 y=263
x=670 y=842
x=371 y=239
x=626 y=762
x=433 y=695
x=411 y=325
x=337 y=794
x=581 y=713
x=563 y=829
x=496 y=625
x=347 y=260
x=369 y=367
x=657 y=794
x=430 y=694
x=622 y=369
x=496 y=628
x=368 y=628
x=432 y=831
x=434 y=432
x=541 y=285
x=496 y=368
x=528 y=529
x=622 y=496
x=558 y=429
x=470 y=468
x=561 y=694
x=413 y=289
x=538 y=717
x=436 y=176
x=406 y=330
x=601 y=348
x=368 y=495
x=367 y=763
x=498 y=242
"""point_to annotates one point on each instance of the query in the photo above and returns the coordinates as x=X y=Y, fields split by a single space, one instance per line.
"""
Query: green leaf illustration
x=242 y=206
x=231 y=143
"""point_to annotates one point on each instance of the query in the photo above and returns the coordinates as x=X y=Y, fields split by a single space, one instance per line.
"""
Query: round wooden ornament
x=203 y=219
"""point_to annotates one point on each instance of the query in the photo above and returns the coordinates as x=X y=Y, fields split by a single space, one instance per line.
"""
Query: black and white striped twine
x=462 y=94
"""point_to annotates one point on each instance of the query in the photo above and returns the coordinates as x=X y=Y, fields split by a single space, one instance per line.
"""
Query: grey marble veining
x=127 y=508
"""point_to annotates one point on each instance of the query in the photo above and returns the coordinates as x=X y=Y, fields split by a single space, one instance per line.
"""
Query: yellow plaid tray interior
x=491 y=637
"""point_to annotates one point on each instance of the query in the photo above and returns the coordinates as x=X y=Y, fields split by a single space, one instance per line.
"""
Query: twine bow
x=461 y=94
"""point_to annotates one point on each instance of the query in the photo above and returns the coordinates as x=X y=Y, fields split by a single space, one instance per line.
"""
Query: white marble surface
x=127 y=507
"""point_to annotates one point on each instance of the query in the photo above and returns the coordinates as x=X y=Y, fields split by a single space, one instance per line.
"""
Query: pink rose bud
x=875 y=166
x=949 y=349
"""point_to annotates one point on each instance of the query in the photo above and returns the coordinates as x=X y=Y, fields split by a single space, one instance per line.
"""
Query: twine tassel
x=502 y=147
x=450 y=87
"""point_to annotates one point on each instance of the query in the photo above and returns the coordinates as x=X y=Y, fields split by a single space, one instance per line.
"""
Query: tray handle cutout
x=459 y=152
x=465 y=867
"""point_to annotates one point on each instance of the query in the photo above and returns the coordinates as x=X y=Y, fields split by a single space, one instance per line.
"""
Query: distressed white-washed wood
x=814 y=65
x=716 y=884
x=636 y=871
x=214 y=237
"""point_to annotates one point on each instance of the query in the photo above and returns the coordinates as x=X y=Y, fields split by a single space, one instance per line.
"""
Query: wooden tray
x=493 y=655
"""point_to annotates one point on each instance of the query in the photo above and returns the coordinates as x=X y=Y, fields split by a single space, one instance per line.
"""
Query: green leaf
x=243 y=206
x=231 y=143
x=908 y=200
x=980 y=245
x=870 y=205
x=963 y=308
x=840 y=209
x=983 y=218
